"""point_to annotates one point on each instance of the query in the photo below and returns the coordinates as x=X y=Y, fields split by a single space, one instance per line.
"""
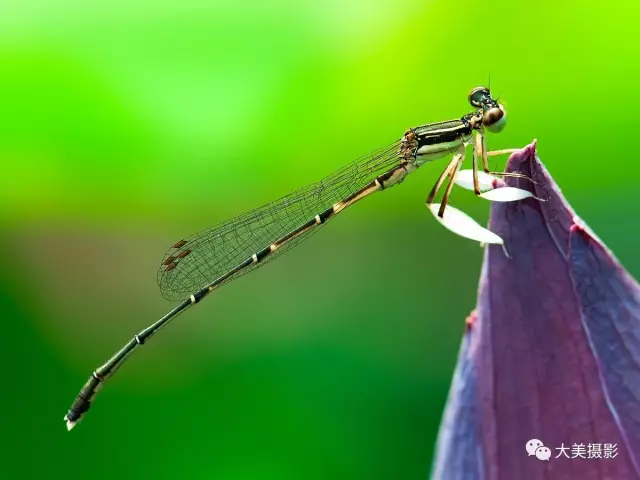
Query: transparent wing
x=198 y=260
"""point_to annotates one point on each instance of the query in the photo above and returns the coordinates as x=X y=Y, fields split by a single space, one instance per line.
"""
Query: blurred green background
x=127 y=125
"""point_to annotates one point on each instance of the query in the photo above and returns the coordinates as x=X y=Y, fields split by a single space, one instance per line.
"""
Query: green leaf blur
x=126 y=125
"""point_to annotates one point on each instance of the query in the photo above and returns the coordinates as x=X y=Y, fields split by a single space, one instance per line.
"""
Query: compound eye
x=478 y=96
x=494 y=119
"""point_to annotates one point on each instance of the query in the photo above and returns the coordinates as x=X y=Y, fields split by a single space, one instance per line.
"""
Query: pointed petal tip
x=563 y=279
x=471 y=319
x=526 y=153
x=577 y=228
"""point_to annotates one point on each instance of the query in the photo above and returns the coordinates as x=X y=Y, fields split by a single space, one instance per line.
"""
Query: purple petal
x=610 y=308
x=461 y=420
x=553 y=353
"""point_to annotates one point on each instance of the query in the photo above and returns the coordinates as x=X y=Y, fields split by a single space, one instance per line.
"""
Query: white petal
x=506 y=194
x=464 y=178
x=465 y=226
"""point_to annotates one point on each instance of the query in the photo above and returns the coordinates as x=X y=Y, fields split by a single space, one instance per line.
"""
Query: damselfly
x=197 y=265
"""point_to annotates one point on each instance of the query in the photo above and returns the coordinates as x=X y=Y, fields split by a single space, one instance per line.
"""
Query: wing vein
x=216 y=250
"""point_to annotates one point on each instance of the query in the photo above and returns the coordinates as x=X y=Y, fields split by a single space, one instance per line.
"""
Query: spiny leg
x=504 y=151
x=441 y=178
x=458 y=159
x=481 y=143
x=476 y=182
